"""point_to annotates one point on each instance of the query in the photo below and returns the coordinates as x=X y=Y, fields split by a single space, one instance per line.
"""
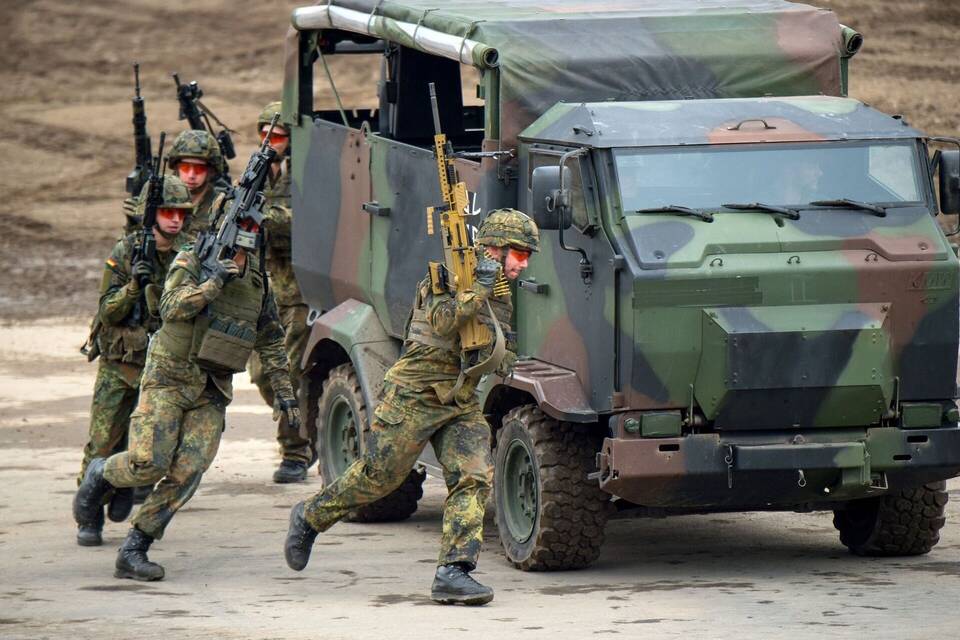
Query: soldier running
x=411 y=415
x=210 y=327
x=121 y=341
x=298 y=450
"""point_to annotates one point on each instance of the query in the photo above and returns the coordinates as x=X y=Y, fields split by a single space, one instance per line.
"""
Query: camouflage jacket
x=279 y=215
x=202 y=214
x=118 y=341
x=423 y=365
x=185 y=298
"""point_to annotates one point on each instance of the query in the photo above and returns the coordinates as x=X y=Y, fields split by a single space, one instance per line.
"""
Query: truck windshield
x=778 y=174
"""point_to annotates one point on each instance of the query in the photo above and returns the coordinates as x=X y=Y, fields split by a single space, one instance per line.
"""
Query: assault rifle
x=198 y=117
x=143 y=161
x=147 y=250
x=241 y=203
x=456 y=272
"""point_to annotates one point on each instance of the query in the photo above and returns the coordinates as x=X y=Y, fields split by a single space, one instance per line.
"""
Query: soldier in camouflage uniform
x=412 y=414
x=196 y=159
x=210 y=327
x=298 y=450
x=120 y=339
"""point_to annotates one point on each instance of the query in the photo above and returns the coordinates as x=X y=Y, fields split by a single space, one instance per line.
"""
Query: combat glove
x=486 y=271
x=289 y=408
x=224 y=271
x=142 y=270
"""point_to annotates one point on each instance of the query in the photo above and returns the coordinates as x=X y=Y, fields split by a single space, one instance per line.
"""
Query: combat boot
x=88 y=503
x=132 y=561
x=300 y=538
x=120 y=505
x=290 y=471
x=453 y=585
x=90 y=534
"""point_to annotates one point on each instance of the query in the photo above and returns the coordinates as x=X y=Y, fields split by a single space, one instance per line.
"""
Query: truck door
x=562 y=318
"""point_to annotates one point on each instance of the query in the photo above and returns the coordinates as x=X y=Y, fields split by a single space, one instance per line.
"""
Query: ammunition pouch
x=226 y=345
x=123 y=344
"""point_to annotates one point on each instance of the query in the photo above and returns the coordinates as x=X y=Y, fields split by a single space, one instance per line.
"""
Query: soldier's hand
x=224 y=272
x=142 y=270
x=290 y=409
x=486 y=271
x=130 y=207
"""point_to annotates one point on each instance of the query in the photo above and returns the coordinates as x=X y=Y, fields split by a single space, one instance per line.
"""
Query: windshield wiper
x=876 y=209
x=793 y=214
x=678 y=210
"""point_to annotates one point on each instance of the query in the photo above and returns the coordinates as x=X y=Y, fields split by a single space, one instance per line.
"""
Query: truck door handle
x=375 y=208
x=533 y=286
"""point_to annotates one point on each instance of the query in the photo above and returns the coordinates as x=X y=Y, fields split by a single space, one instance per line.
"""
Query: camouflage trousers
x=404 y=422
x=174 y=437
x=294 y=444
x=114 y=398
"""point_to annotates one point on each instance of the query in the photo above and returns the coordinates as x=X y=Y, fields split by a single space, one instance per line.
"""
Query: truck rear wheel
x=901 y=523
x=341 y=415
x=550 y=516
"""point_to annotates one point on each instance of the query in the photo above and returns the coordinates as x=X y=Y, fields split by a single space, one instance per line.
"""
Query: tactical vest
x=421 y=331
x=221 y=338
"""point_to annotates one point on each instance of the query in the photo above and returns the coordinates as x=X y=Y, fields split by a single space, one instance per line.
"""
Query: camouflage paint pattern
x=638 y=50
x=404 y=423
x=114 y=399
x=659 y=325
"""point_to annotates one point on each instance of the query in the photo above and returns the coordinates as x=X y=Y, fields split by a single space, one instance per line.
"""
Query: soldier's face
x=170 y=220
x=279 y=139
x=516 y=262
x=194 y=172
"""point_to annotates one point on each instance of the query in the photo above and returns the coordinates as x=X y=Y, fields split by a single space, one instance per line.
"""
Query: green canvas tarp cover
x=628 y=50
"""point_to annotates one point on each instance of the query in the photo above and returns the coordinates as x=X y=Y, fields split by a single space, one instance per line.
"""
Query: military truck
x=744 y=298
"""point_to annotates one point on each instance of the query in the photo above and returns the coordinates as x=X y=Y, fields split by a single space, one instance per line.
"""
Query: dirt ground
x=65 y=133
x=713 y=577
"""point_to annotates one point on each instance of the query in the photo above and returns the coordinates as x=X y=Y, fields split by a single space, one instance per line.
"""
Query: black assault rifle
x=143 y=162
x=242 y=203
x=147 y=250
x=198 y=117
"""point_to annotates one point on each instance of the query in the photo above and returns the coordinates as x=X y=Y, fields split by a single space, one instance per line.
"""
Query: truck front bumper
x=781 y=470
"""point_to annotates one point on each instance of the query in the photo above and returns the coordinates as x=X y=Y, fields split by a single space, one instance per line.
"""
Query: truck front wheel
x=901 y=523
x=341 y=416
x=550 y=516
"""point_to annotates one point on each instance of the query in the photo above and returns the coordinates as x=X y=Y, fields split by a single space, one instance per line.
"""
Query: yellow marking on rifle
x=429 y=221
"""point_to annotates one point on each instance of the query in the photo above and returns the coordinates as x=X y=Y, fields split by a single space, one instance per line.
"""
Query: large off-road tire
x=901 y=523
x=550 y=516
x=341 y=415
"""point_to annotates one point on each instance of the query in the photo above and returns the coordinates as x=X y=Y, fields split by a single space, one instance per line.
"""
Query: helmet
x=175 y=195
x=509 y=228
x=197 y=144
x=266 y=116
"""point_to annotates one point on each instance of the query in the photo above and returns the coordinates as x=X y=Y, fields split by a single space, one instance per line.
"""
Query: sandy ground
x=730 y=576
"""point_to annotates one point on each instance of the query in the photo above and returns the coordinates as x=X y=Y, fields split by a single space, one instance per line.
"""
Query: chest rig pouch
x=225 y=343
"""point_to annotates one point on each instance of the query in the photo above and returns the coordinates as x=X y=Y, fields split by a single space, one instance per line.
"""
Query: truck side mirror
x=949 y=181
x=547 y=200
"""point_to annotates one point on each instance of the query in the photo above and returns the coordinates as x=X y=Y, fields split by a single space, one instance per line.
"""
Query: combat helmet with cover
x=195 y=143
x=266 y=116
x=175 y=196
x=509 y=228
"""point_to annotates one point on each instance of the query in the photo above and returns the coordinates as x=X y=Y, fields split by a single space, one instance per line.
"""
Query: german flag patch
x=111 y=263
